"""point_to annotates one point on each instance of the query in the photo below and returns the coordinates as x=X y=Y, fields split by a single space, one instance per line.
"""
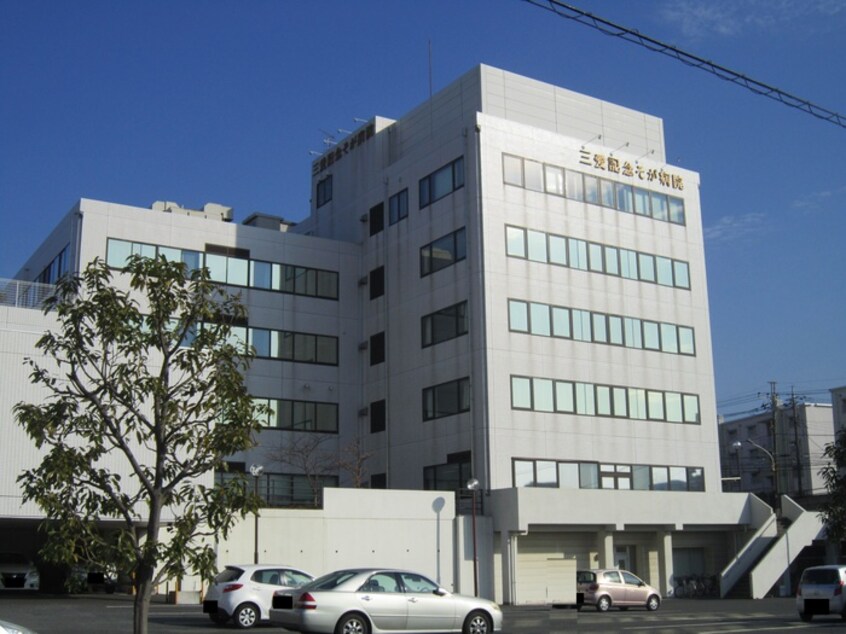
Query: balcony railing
x=21 y=294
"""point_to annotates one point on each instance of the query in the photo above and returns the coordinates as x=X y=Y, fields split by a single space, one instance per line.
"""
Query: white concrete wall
x=358 y=527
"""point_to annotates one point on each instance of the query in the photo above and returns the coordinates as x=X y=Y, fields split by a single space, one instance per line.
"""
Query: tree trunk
x=143 y=594
x=146 y=568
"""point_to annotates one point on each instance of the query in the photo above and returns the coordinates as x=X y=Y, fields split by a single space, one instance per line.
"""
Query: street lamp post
x=736 y=445
x=473 y=485
x=256 y=471
x=772 y=466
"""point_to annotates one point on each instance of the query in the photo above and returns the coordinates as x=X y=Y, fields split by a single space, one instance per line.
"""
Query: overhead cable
x=610 y=28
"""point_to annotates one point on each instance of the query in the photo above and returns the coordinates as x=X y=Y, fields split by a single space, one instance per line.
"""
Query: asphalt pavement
x=112 y=614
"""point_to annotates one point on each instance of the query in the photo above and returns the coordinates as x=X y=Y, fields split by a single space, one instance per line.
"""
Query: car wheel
x=477 y=623
x=352 y=624
x=246 y=615
x=653 y=603
x=603 y=604
x=218 y=618
x=806 y=616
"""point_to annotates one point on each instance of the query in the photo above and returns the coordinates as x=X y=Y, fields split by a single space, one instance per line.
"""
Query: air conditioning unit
x=363 y=217
x=364 y=411
x=362 y=345
x=362 y=281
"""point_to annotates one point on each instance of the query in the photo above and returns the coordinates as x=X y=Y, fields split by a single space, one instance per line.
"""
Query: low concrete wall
x=361 y=527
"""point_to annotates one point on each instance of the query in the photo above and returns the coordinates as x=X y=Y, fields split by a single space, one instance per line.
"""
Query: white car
x=244 y=593
x=822 y=590
x=11 y=628
x=18 y=572
x=376 y=600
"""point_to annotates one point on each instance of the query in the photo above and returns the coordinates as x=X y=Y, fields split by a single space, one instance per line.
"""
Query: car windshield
x=330 y=581
x=229 y=574
x=13 y=558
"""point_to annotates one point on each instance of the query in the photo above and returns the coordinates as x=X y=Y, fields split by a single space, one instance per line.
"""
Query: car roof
x=246 y=567
x=828 y=567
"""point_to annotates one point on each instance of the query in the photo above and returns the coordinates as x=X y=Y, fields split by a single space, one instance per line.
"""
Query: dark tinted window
x=229 y=574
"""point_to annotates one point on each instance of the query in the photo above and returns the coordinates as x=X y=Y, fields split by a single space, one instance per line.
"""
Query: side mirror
x=441 y=592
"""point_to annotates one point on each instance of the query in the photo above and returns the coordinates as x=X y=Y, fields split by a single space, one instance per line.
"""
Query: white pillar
x=665 y=563
x=605 y=546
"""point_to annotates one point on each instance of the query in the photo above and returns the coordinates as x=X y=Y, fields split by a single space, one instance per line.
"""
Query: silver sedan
x=378 y=600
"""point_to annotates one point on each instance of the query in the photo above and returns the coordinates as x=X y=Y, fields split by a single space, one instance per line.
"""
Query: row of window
x=592 y=475
x=583 y=325
x=299 y=415
x=235 y=271
x=446 y=399
x=588 y=399
x=301 y=347
x=441 y=182
x=550 y=248
x=543 y=177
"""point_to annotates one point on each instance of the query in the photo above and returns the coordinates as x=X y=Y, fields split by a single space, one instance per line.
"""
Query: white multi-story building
x=778 y=453
x=506 y=284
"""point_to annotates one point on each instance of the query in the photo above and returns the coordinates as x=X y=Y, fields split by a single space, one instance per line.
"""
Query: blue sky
x=221 y=100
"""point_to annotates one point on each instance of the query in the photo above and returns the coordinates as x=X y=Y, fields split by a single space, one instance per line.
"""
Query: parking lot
x=50 y=614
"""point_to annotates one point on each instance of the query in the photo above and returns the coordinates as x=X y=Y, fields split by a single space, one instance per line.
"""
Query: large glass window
x=447 y=323
x=446 y=399
x=441 y=182
x=443 y=252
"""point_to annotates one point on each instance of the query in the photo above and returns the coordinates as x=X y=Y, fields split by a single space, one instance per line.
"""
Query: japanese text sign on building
x=337 y=152
x=609 y=163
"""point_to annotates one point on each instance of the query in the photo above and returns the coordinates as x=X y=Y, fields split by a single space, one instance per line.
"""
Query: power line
x=630 y=35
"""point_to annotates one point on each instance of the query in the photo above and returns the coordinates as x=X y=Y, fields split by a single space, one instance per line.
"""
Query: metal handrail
x=23 y=294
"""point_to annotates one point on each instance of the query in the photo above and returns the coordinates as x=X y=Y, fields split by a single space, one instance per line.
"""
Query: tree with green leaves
x=145 y=398
x=834 y=476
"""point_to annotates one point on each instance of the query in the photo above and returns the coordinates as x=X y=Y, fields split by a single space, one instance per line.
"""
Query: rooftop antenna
x=328 y=138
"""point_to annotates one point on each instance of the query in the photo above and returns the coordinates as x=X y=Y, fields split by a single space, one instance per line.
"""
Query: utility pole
x=796 y=444
x=775 y=447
